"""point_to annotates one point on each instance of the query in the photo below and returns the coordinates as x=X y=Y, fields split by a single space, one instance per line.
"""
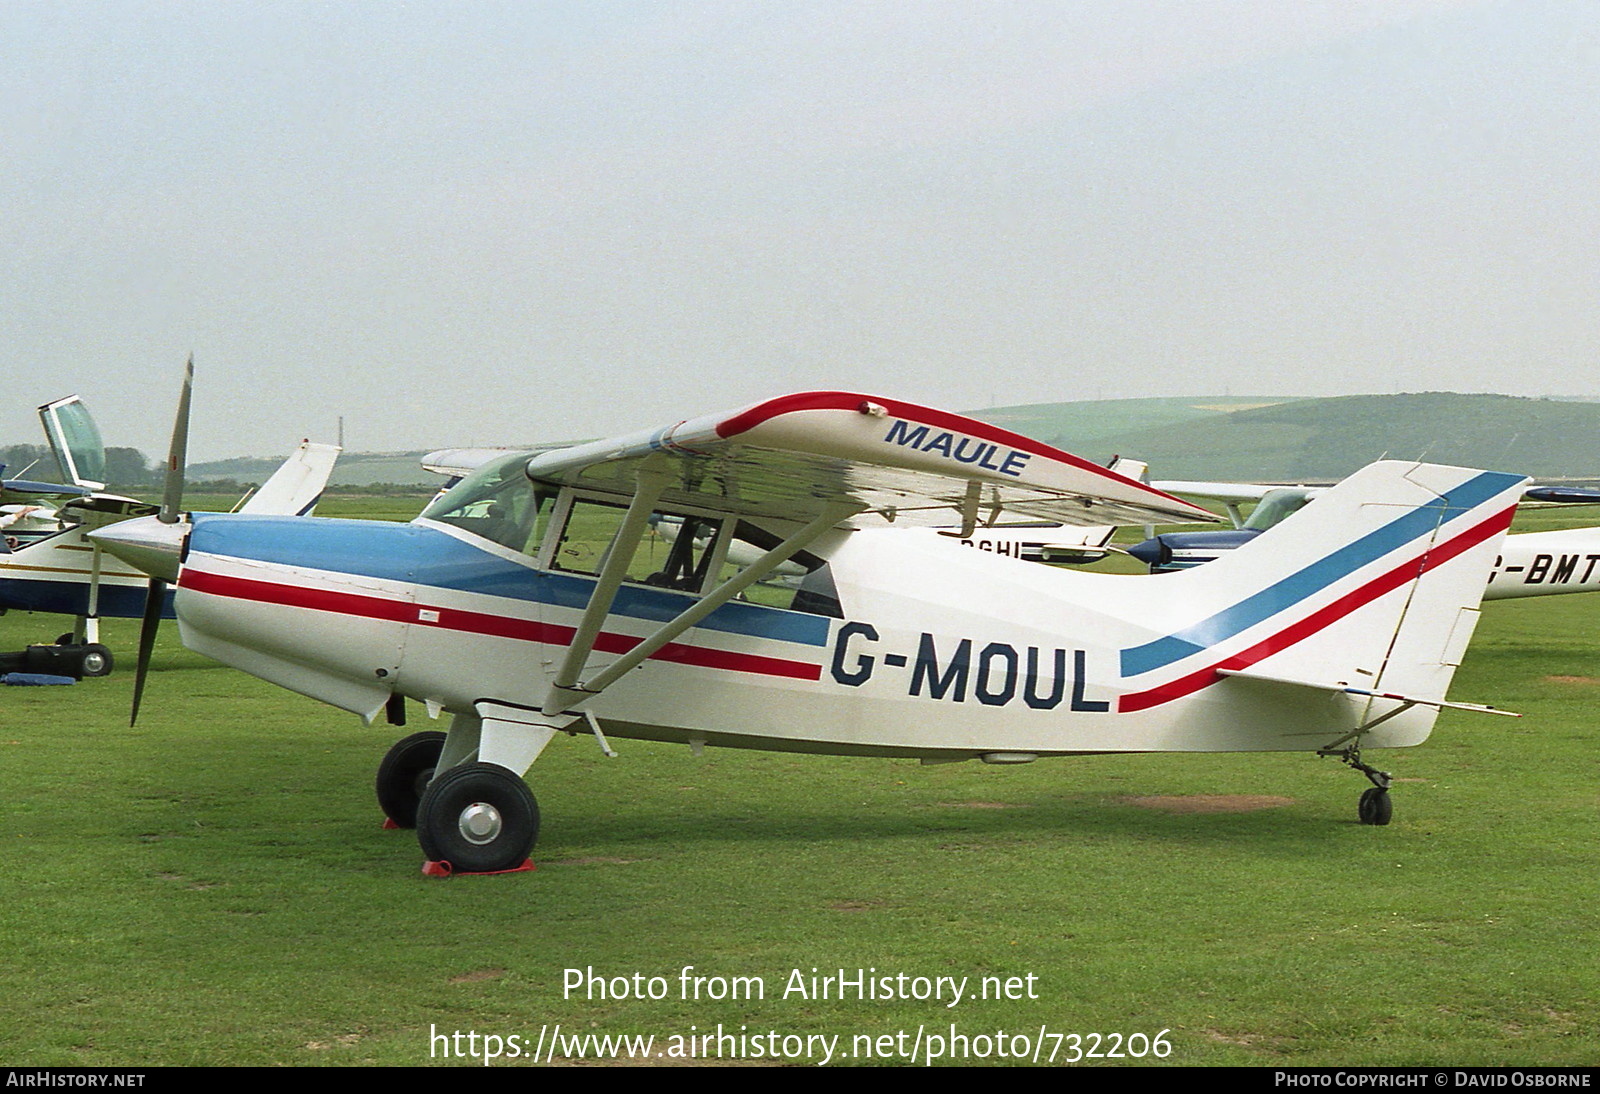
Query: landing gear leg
x=1374 y=806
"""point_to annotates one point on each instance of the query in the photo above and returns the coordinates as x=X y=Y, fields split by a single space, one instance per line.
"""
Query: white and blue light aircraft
x=29 y=510
x=48 y=565
x=64 y=573
x=1550 y=563
x=523 y=604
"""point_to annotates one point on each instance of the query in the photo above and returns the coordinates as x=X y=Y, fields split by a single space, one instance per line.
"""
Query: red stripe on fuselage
x=1317 y=620
x=499 y=626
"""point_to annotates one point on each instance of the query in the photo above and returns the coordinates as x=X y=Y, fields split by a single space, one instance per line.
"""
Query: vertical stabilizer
x=1374 y=585
x=296 y=486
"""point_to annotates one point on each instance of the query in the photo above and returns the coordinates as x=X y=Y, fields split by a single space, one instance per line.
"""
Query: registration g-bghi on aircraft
x=523 y=603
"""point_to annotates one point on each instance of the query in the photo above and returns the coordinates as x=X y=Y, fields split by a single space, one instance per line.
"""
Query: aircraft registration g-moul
x=521 y=603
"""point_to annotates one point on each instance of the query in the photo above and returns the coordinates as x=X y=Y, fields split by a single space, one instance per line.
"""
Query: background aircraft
x=28 y=509
x=59 y=570
x=1045 y=541
x=516 y=603
x=1529 y=563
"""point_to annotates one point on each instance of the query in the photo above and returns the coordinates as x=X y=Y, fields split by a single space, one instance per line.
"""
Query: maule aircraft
x=523 y=604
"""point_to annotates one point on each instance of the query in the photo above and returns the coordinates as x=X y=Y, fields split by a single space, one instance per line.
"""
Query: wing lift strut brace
x=569 y=690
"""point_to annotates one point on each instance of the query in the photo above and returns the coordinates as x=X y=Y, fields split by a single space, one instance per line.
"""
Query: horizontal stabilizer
x=1347 y=689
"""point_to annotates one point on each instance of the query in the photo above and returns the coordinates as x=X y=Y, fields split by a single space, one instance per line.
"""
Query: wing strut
x=565 y=696
x=650 y=481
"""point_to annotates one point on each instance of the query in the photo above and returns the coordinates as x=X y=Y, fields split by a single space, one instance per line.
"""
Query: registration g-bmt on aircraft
x=530 y=599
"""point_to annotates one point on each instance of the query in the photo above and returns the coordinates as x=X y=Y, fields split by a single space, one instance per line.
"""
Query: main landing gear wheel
x=479 y=818
x=405 y=773
x=1375 y=806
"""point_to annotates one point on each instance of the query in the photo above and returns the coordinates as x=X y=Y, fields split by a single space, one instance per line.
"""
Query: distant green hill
x=1250 y=438
x=1319 y=439
x=1067 y=424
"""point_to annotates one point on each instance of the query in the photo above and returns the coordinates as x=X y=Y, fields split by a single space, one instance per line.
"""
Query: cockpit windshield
x=75 y=439
x=498 y=502
x=1275 y=507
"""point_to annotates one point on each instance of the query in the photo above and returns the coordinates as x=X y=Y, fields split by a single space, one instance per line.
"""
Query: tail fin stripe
x=1318 y=619
x=1311 y=579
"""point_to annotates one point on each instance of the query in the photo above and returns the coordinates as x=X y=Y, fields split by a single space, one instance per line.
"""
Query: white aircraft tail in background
x=296 y=486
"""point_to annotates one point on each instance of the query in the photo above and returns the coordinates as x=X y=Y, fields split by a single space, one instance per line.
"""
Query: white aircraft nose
x=145 y=543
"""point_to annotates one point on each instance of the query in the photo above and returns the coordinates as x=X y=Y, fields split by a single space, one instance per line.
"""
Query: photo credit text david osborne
x=943 y=1037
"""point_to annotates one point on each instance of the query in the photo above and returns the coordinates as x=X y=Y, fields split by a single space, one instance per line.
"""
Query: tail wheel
x=405 y=773
x=479 y=818
x=1375 y=806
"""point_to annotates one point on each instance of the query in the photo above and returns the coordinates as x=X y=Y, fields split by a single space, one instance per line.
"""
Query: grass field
x=213 y=887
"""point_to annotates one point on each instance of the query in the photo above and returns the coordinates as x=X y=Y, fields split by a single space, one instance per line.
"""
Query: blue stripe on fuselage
x=426 y=556
x=72 y=598
x=1415 y=524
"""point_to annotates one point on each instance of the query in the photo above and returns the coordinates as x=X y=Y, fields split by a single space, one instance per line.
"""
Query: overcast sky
x=494 y=223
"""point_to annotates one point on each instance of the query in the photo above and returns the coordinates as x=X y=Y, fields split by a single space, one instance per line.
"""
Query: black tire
x=67 y=639
x=94 y=660
x=1375 y=806
x=479 y=818
x=405 y=772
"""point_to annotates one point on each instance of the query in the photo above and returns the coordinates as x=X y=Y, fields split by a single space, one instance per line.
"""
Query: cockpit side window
x=498 y=502
x=675 y=552
x=1275 y=507
x=685 y=551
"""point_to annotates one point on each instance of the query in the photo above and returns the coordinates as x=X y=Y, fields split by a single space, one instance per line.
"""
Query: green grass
x=213 y=887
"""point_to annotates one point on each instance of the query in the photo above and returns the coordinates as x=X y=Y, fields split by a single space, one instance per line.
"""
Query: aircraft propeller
x=171 y=514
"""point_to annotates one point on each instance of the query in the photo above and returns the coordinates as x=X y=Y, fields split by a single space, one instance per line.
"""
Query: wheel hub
x=479 y=823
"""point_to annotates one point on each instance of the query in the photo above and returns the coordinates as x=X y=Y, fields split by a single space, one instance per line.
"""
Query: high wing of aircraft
x=529 y=601
x=65 y=573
